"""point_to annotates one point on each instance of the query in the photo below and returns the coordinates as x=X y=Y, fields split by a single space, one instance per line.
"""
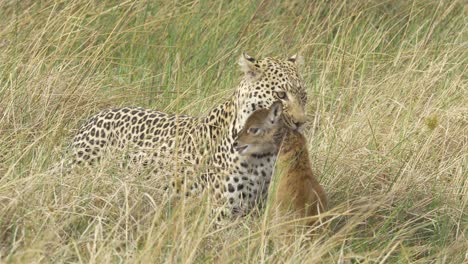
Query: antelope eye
x=253 y=130
x=281 y=95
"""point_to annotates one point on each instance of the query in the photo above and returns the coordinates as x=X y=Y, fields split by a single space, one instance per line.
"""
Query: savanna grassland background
x=387 y=131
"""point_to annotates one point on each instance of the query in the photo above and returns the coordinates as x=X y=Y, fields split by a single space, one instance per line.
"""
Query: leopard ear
x=297 y=59
x=276 y=109
x=247 y=65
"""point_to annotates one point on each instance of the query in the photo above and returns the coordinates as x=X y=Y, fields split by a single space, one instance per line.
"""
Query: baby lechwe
x=297 y=192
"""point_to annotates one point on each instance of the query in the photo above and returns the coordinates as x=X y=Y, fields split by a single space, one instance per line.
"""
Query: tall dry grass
x=387 y=85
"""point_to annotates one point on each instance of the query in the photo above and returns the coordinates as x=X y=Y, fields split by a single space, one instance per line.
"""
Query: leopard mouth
x=290 y=123
x=241 y=149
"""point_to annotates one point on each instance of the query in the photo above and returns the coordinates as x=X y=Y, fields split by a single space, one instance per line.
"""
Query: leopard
x=297 y=194
x=192 y=154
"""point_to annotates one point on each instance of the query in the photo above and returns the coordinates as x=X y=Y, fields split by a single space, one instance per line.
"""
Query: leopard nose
x=299 y=124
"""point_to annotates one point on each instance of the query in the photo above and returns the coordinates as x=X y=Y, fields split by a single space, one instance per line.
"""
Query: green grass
x=387 y=85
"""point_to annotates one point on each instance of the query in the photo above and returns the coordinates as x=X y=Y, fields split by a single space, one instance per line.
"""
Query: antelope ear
x=247 y=66
x=276 y=109
x=297 y=59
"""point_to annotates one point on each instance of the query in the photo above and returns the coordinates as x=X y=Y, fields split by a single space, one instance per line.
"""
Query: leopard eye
x=254 y=130
x=281 y=95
